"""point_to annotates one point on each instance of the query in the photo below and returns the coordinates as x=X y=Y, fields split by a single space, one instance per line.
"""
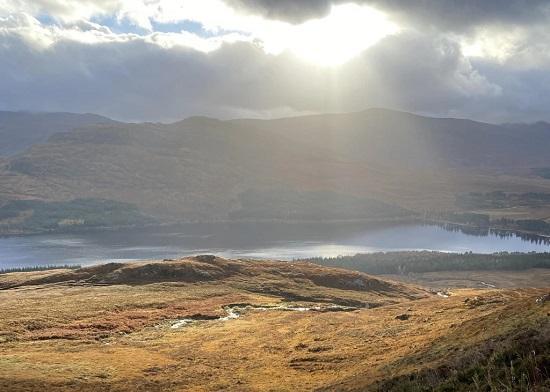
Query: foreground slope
x=207 y=323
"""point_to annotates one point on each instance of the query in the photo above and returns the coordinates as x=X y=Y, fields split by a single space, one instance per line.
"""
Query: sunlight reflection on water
x=248 y=240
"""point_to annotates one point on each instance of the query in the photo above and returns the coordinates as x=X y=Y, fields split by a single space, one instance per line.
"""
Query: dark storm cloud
x=288 y=10
x=445 y=14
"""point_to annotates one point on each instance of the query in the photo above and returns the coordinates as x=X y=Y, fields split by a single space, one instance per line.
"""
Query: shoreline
x=489 y=228
x=400 y=220
x=409 y=219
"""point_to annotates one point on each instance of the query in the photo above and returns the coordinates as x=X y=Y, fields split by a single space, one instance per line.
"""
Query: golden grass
x=70 y=337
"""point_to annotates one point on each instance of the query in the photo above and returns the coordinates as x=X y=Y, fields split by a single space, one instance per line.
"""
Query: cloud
x=287 y=10
x=444 y=14
x=134 y=77
x=331 y=40
x=66 y=10
x=250 y=58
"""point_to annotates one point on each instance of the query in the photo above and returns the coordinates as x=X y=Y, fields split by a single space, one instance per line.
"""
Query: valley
x=274 y=196
x=375 y=212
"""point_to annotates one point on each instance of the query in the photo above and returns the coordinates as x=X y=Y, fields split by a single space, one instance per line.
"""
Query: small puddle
x=491 y=286
x=235 y=311
x=181 y=323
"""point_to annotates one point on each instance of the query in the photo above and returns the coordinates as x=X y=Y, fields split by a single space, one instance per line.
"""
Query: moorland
x=207 y=323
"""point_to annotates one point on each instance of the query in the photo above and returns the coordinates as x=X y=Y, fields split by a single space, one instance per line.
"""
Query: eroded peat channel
x=235 y=311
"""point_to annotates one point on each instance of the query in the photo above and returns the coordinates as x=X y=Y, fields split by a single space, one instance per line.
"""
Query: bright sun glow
x=343 y=34
x=333 y=40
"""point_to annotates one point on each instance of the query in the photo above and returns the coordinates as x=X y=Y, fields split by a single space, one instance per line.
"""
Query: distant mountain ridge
x=420 y=140
x=20 y=130
x=385 y=163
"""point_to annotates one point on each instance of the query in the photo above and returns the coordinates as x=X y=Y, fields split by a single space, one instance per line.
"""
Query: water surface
x=255 y=240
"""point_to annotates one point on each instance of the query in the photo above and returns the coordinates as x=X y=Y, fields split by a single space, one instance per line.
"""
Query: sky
x=164 y=60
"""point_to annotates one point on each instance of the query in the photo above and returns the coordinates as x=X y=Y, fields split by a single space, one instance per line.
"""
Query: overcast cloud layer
x=164 y=60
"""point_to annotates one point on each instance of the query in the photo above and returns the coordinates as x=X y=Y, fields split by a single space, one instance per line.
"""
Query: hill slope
x=371 y=164
x=393 y=138
x=207 y=323
x=20 y=130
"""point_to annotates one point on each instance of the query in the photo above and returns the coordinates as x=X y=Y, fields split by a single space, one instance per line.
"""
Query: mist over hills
x=20 y=130
x=418 y=140
x=376 y=163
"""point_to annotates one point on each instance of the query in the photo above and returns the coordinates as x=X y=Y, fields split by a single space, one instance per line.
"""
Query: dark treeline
x=543 y=172
x=35 y=268
x=531 y=225
x=427 y=261
x=463 y=218
x=501 y=233
x=481 y=223
x=32 y=216
x=500 y=199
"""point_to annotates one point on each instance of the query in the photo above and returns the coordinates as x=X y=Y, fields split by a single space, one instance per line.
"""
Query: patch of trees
x=35 y=268
x=482 y=224
x=531 y=225
x=500 y=199
x=37 y=215
x=463 y=218
x=427 y=261
x=543 y=172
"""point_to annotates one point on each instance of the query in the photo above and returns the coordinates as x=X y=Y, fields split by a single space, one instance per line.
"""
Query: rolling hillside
x=392 y=138
x=371 y=164
x=208 y=323
x=20 y=130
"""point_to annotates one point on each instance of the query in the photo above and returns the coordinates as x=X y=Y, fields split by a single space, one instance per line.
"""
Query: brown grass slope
x=266 y=277
x=109 y=328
